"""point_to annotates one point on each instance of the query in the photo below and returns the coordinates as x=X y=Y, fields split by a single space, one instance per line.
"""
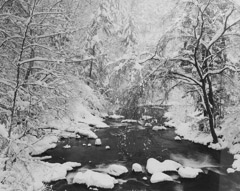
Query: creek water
x=132 y=143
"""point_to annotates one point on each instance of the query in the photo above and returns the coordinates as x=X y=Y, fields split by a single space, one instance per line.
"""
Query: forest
x=122 y=95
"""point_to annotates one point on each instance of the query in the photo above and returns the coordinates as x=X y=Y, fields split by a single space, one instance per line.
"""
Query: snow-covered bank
x=185 y=119
x=83 y=113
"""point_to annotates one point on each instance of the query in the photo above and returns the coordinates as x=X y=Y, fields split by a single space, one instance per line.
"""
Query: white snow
x=91 y=178
x=154 y=165
x=137 y=167
x=67 y=146
x=144 y=178
x=129 y=121
x=156 y=128
x=146 y=117
x=230 y=170
x=87 y=132
x=116 y=169
x=44 y=144
x=3 y=131
x=115 y=116
x=177 y=138
x=148 y=125
x=47 y=172
x=89 y=145
x=189 y=172
x=160 y=177
x=107 y=147
x=98 y=142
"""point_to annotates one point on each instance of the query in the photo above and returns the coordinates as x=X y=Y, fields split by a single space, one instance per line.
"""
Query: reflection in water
x=199 y=161
x=131 y=144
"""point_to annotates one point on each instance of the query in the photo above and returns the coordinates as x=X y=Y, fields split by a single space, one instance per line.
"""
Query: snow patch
x=160 y=177
x=129 y=121
x=116 y=169
x=91 y=178
x=154 y=165
x=67 y=146
x=137 y=167
x=115 y=116
x=43 y=144
x=156 y=128
x=98 y=142
x=188 y=172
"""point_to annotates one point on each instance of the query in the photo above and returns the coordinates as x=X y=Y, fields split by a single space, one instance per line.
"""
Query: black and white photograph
x=119 y=95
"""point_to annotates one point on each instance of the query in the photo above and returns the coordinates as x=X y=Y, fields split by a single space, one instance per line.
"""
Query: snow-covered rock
x=47 y=172
x=44 y=144
x=189 y=172
x=129 y=121
x=230 y=170
x=236 y=163
x=67 y=146
x=146 y=117
x=91 y=178
x=148 y=125
x=98 y=142
x=89 y=145
x=115 y=116
x=154 y=166
x=107 y=147
x=170 y=165
x=156 y=128
x=160 y=177
x=144 y=178
x=137 y=167
x=86 y=132
x=177 y=138
x=116 y=169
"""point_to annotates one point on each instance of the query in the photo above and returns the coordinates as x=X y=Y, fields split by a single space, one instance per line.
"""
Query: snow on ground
x=146 y=117
x=160 y=177
x=32 y=174
x=3 y=131
x=91 y=178
x=129 y=121
x=39 y=146
x=47 y=172
x=115 y=116
x=156 y=128
x=183 y=116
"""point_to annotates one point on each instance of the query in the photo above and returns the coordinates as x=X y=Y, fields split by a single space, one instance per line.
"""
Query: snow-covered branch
x=37 y=45
x=184 y=60
x=37 y=59
x=219 y=71
x=222 y=30
x=46 y=13
x=187 y=77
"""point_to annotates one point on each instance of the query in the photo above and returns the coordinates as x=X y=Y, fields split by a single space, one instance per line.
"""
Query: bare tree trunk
x=211 y=117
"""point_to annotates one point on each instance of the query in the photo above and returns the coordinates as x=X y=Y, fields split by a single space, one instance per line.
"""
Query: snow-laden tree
x=196 y=51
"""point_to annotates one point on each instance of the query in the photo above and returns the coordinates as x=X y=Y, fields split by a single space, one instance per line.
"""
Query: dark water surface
x=133 y=143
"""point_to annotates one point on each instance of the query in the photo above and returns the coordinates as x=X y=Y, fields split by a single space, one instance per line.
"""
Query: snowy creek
x=132 y=143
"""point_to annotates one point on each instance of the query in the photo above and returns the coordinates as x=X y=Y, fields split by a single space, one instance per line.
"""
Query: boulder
x=137 y=167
